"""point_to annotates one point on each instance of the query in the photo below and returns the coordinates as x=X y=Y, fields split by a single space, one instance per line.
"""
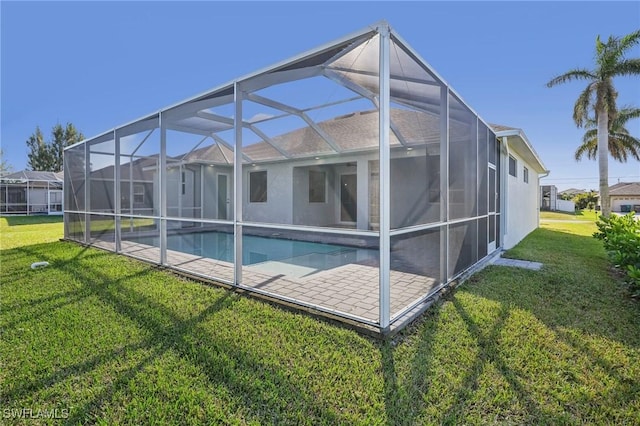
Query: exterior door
x=348 y=198
x=223 y=197
x=492 y=209
x=55 y=201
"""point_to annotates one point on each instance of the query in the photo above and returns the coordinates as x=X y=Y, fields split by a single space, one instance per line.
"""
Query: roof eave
x=519 y=133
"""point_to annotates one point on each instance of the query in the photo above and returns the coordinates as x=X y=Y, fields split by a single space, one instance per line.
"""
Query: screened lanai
x=31 y=192
x=350 y=180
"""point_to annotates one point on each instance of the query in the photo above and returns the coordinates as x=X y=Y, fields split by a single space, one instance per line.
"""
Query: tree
x=39 y=152
x=600 y=96
x=586 y=200
x=621 y=143
x=49 y=156
x=5 y=167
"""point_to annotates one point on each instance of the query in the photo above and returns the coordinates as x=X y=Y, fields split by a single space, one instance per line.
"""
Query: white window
x=526 y=175
x=138 y=193
x=258 y=187
x=317 y=186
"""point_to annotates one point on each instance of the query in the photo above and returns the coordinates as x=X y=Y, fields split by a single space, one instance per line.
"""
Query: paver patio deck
x=349 y=289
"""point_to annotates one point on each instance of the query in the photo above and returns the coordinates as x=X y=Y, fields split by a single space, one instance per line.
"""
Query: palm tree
x=600 y=96
x=621 y=143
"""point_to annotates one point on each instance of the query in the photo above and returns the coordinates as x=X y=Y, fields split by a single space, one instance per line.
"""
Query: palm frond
x=627 y=143
x=589 y=135
x=626 y=67
x=589 y=147
x=628 y=113
x=628 y=41
x=583 y=105
x=576 y=74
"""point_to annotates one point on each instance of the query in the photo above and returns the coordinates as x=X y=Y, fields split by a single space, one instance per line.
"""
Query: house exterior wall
x=617 y=203
x=523 y=208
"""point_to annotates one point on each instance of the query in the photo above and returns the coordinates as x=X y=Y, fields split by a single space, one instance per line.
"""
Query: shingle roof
x=500 y=127
x=625 y=189
x=357 y=131
x=30 y=175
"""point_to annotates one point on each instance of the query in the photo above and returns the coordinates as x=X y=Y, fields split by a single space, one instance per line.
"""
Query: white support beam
x=385 y=174
x=162 y=190
x=393 y=76
x=345 y=82
x=292 y=110
x=237 y=188
x=226 y=160
x=189 y=109
x=328 y=104
x=228 y=145
x=117 y=188
x=215 y=117
x=268 y=140
x=194 y=148
x=142 y=143
x=278 y=77
x=396 y=132
x=138 y=127
x=87 y=194
x=186 y=129
x=444 y=183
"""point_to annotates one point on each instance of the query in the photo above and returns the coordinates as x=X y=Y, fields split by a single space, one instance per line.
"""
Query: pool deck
x=350 y=289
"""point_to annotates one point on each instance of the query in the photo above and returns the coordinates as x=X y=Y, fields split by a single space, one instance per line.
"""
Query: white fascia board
x=519 y=133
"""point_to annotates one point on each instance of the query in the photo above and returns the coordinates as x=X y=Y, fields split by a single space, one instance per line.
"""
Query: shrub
x=621 y=238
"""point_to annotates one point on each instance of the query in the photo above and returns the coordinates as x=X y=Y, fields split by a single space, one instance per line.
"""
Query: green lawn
x=579 y=215
x=116 y=341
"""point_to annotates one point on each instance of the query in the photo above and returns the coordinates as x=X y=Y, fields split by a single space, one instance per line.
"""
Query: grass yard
x=109 y=340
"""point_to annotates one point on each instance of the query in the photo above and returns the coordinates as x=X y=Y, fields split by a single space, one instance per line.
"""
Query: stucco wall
x=522 y=203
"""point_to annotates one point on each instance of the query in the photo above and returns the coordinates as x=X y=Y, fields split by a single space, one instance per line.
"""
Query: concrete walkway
x=516 y=263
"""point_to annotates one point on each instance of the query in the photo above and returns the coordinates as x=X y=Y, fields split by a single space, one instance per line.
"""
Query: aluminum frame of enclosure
x=351 y=180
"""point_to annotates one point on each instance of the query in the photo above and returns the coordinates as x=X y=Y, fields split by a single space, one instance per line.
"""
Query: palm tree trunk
x=603 y=160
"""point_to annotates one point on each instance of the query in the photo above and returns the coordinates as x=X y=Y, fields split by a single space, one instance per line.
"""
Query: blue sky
x=99 y=65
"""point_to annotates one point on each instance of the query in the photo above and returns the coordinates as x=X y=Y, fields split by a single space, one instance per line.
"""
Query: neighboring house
x=351 y=180
x=31 y=192
x=550 y=200
x=548 y=197
x=625 y=197
x=571 y=192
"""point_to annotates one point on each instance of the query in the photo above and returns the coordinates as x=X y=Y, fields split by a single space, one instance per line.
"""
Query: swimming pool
x=291 y=257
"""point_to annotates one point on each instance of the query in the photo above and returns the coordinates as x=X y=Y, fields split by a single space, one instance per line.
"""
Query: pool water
x=272 y=255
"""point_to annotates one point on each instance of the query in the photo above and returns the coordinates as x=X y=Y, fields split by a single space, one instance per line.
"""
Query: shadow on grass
x=403 y=403
x=225 y=363
x=573 y=291
x=31 y=220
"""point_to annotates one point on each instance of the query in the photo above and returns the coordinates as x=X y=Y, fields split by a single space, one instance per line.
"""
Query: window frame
x=318 y=195
x=515 y=166
x=525 y=174
x=139 y=193
x=253 y=193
